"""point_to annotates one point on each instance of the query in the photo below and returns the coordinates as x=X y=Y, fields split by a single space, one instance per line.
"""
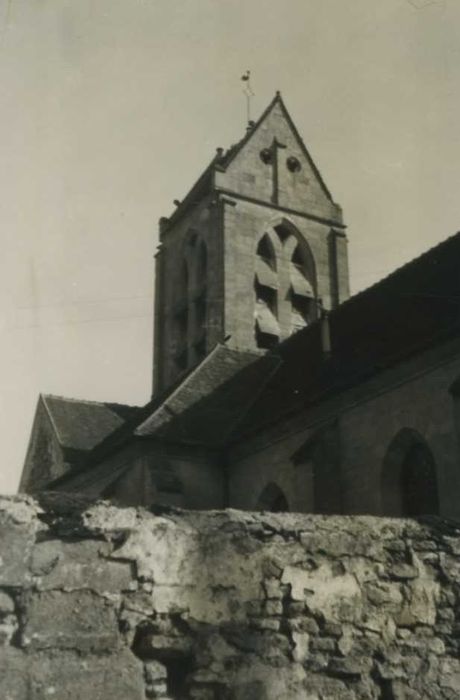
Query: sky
x=110 y=109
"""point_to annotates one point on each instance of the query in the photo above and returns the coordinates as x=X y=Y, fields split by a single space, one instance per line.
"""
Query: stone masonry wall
x=100 y=602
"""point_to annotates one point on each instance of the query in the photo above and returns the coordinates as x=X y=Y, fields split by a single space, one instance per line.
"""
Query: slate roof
x=81 y=425
x=201 y=408
x=208 y=404
x=413 y=308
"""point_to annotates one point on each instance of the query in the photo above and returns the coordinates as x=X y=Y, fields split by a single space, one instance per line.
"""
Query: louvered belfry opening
x=267 y=329
x=284 y=286
x=301 y=293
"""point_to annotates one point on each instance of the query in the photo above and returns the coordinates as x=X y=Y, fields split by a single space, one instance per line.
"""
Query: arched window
x=284 y=285
x=272 y=499
x=167 y=486
x=409 y=482
x=266 y=251
x=266 y=295
x=318 y=464
x=301 y=293
x=283 y=232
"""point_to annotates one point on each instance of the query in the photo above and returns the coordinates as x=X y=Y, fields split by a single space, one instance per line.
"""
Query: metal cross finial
x=247 y=89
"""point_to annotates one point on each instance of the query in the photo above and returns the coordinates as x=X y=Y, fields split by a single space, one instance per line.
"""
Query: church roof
x=208 y=404
x=412 y=309
x=81 y=425
x=201 y=408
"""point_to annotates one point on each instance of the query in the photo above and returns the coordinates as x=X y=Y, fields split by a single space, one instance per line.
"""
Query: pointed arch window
x=301 y=291
x=266 y=295
x=266 y=264
x=266 y=251
x=272 y=499
x=284 y=284
x=409 y=477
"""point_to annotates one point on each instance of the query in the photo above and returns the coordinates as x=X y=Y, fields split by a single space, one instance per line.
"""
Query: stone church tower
x=251 y=254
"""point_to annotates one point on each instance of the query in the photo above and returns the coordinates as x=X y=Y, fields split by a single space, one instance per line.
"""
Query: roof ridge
x=69 y=399
x=405 y=265
x=49 y=413
x=186 y=380
x=235 y=148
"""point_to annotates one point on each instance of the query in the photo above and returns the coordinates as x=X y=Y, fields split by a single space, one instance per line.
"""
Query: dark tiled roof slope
x=414 y=307
x=202 y=407
x=81 y=425
x=211 y=401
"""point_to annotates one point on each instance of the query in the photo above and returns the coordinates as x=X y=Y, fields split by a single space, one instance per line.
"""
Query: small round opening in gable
x=293 y=164
x=266 y=156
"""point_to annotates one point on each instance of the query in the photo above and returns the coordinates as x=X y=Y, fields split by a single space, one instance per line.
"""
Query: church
x=273 y=389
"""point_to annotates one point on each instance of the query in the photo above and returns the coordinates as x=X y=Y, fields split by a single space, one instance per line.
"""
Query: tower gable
x=272 y=165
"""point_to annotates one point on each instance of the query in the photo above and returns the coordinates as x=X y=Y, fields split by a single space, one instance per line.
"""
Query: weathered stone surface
x=124 y=604
x=15 y=550
x=77 y=620
x=6 y=603
x=68 y=676
x=13 y=674
x=76 y=565
x=335 y=597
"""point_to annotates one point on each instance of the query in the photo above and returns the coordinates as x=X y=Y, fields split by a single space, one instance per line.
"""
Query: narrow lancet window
x=266 y=295
x=301 y=291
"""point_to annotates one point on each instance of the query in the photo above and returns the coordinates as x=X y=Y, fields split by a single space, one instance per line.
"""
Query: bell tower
x=252 y=252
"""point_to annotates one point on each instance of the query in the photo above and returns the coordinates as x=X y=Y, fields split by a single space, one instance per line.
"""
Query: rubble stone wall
x=102 y=602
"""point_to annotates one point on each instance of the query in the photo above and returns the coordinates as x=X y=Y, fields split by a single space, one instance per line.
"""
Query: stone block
x=15 y=551
x=387 y=594
x=79 y=565
x=403 y=572
x=273 y=607
x=13 y=674
x=69 y=620
x=8 y=628
x=420 y=605
x=69 y=676
x=155 y=671
x=272 y=588
x=150 y=645
x=301 y=646
x=266 y=624
x=6 y=604
x=349 y=667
